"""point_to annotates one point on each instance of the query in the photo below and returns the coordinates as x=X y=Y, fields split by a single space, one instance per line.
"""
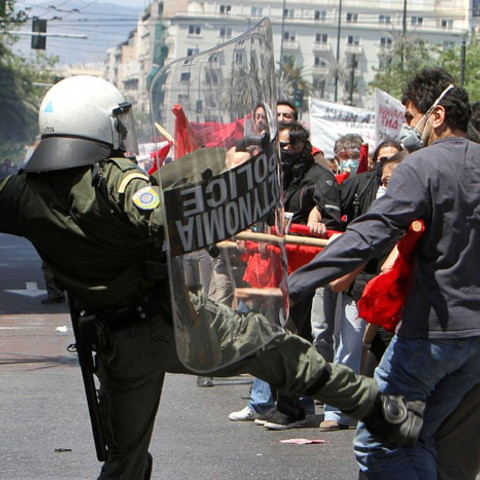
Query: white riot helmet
x=82 y=119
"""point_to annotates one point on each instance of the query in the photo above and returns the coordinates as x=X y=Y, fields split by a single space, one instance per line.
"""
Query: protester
x=286 y=111
x=434 y=355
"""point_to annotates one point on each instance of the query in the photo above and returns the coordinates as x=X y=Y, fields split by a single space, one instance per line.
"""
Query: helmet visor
x=125 y=125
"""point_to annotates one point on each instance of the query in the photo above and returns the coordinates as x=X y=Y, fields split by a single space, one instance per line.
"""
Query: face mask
x=410 y=138
x=349 y=164
x=381 y=191
x=289 y=159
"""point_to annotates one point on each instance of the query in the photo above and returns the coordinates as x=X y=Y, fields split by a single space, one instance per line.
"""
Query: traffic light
x=298 y=97
x=38 y=41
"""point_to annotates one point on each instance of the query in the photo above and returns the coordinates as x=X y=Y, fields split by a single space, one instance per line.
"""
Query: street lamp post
x=339 y=30
x=280 y=63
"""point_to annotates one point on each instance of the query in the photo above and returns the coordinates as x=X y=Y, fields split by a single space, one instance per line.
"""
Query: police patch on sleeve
x=146 y=198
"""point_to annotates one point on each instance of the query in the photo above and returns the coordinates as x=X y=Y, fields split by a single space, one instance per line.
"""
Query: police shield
x=224 y=220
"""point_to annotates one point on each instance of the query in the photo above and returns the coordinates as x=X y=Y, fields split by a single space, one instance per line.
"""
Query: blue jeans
x=438 y=371
x=261 y=399
x=349 y=350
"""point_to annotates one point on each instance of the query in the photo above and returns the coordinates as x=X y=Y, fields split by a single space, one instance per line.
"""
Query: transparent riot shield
x=221 y=187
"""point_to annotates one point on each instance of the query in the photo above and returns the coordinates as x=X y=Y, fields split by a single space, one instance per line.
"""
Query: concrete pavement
x=44 y=425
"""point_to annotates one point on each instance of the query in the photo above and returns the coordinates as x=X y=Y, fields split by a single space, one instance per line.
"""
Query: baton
x=85 y=360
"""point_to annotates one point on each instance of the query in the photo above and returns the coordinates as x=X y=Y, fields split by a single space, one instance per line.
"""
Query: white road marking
x=31 y=290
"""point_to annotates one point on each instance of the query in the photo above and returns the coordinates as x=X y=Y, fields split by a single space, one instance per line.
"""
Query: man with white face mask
x=434 y=355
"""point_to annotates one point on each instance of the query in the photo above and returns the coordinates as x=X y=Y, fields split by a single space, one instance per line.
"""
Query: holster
x=94 y=332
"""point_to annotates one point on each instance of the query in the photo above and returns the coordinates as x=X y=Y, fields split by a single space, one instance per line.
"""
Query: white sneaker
x=245 y=414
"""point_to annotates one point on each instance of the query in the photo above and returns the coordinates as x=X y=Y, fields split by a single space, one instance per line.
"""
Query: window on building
x=348 y=85
x=385 y=42
x=321 y=38
x=224 y=9
x=353 y=40
x=256 y=11
x=319 y=87
x=289 y=36
x=211 y=77
x=352 y=17
x=319 y=62
x=354 y=60
x=384 y=19
x=185 y=76
x=226 y=32
x=448 y=44
x=320 y=15
x=417 y=21
x=289 y=13
x=194 y=30
x=447 y=23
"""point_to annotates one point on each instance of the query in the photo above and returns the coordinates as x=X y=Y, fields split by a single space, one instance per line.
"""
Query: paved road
x=42 y=406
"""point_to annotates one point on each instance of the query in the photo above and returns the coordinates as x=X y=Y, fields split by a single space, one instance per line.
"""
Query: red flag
x=159 y=157
x=183 y=134
x=383 y=297
x=363 y=164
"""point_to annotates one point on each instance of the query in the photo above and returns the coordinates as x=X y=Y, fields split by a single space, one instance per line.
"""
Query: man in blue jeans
x=435 y=354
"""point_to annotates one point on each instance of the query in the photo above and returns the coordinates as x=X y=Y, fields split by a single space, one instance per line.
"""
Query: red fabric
x=183 y=134
x=191 y=135
x=264 y=268
x=299 y=255
x=383 y=297
x=341 y=177
x=363 y=164
x=259 y=266
x=213 y=134
x=316 y=150
x=159 y=157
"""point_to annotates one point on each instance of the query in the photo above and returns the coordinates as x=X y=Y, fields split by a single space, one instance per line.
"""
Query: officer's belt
x=137 y=312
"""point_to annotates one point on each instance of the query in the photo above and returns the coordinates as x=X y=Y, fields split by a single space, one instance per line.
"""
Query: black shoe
x=204 y=382
x=277 y=420
x=53 y=299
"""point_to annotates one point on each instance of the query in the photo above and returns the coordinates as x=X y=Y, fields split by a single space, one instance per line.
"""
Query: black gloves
x=395 y=420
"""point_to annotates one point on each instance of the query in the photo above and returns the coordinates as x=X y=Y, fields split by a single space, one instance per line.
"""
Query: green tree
x=450 y=59
x=401 y=61
x=22 y=85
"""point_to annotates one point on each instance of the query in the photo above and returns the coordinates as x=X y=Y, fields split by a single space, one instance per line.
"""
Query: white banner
x=329 y=121
x=389 y=115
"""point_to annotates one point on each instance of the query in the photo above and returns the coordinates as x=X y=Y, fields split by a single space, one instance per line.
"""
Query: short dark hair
x=384 y=144
x=297 y=133
x=291 y=105
x=397 y=158
x=427 y=86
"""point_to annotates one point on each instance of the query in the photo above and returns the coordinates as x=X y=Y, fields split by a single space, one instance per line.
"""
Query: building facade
x=337 y=43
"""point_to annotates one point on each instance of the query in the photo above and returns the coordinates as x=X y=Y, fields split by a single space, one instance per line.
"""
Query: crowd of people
x=425 y=375
x=441 y=299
